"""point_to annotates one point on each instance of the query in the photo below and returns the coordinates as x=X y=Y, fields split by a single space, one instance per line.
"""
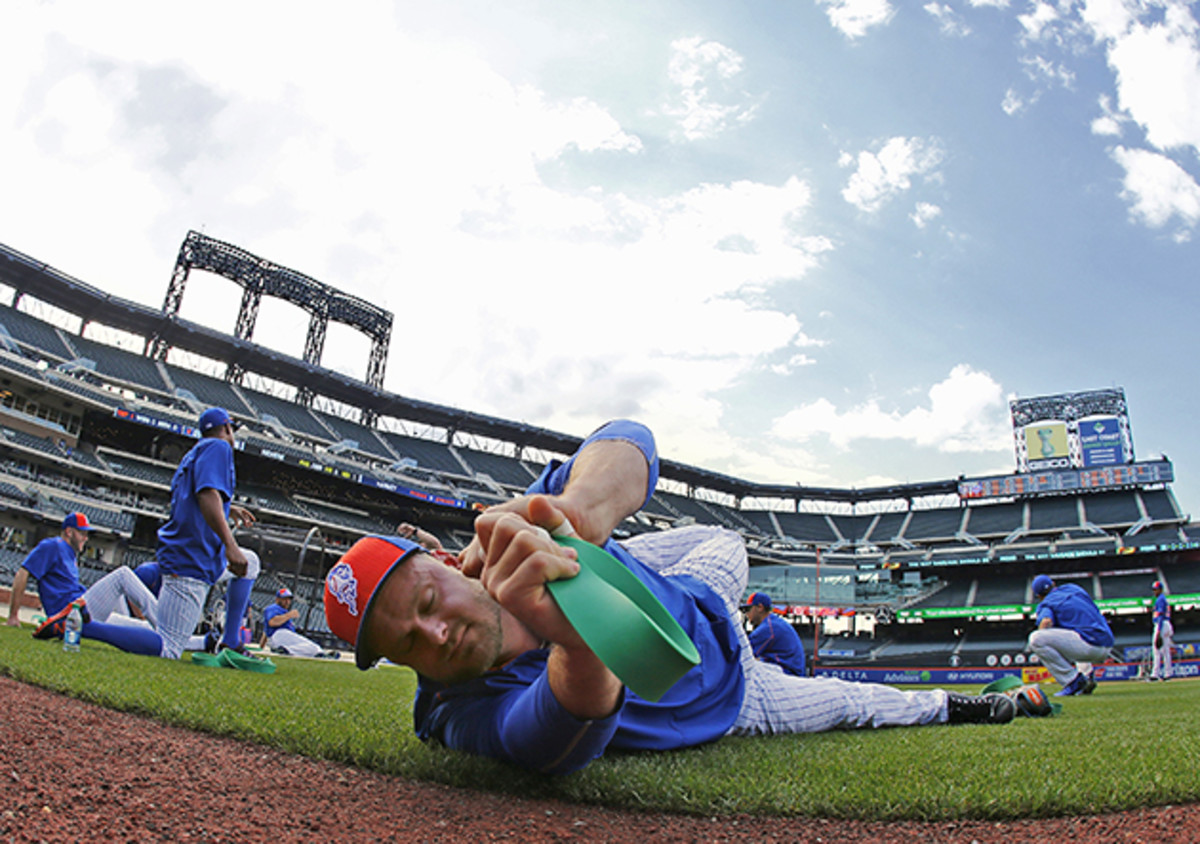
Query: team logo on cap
x=343 y=585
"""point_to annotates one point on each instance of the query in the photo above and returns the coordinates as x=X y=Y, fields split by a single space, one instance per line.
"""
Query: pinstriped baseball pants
x=777 y=702
x=115 y=591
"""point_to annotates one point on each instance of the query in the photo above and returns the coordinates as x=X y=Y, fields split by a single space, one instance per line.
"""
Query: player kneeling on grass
x=1070 y=629
x=503 y=674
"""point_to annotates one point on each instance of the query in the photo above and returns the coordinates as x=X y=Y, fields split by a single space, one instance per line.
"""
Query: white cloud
x=1109 y=122
x=422 y=191
x=1035 y=23
x=1012 y=102
x=966 y=413
x=881 y=176
x=579 y=123
x=1158 y=78
x=1158 y=188
x=706 y=101
x=854 y=17
x=924 y=213
x=949 y=21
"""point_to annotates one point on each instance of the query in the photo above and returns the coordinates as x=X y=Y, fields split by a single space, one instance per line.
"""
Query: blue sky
x=819 y=241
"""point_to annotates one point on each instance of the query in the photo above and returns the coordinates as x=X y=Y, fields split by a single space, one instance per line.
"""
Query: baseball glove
x=1031 y=701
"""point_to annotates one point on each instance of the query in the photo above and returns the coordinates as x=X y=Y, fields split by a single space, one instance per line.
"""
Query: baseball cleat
x=53 y=627
x=991 y=708
x=1083 y=684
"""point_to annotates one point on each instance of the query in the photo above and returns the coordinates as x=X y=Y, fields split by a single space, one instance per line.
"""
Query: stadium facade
x=905 y=583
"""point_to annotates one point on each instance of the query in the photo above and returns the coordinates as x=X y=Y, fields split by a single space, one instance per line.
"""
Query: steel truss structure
x=259 y=277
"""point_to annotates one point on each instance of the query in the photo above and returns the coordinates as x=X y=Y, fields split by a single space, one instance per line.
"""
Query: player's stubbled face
x=430 y=617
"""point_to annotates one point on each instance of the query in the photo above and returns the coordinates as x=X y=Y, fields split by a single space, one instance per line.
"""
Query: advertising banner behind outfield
x=1100 y=441
x=983 y=676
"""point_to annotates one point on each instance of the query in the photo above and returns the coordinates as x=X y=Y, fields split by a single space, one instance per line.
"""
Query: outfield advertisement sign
x=983 y=676
x=1182 y=601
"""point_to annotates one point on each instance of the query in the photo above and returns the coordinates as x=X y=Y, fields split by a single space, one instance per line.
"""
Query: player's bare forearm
x=582 y=683
x=20 y=579
x=1047 y=623
x=607 y=484
x=212 y=508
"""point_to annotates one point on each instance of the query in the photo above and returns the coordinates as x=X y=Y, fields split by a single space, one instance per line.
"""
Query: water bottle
x=73 y=630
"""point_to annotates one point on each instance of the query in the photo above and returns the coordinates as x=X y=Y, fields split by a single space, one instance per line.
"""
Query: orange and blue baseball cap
x=284 y=593
x=1156 y=586
x=758 y=599
x=351 y=585
x=78 y=521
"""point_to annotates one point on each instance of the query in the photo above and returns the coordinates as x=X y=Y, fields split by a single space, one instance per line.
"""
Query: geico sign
x=1052 y=463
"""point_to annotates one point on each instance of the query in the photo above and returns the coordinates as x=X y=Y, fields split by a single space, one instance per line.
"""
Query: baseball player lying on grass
x=503 y=674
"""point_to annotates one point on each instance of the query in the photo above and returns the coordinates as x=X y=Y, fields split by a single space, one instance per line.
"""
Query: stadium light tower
x=260 y=277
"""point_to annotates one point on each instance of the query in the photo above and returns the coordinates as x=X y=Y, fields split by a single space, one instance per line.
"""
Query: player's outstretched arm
x=607 y=483
x=20 y=579
x=212 y=508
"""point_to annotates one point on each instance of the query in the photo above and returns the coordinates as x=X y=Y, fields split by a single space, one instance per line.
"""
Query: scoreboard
x=1072 y=480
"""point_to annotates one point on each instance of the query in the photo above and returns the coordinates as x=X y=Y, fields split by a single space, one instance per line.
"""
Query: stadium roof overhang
x=91 y=304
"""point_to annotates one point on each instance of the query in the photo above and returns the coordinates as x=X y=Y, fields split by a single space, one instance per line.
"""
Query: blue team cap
x=1156 y=586
x=284 y=593
x=215 y=417
x=1042 y=584
x=758 y=599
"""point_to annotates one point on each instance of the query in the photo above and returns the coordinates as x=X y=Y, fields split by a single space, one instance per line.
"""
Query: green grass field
x=1127 y=746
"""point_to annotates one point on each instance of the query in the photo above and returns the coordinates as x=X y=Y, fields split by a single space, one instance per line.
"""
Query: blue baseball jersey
x=1070 y=607
x=511 y=713
x=1162 y=611
x=270 y=613
x=774 y=640
x=52 y=563
x=187 y=546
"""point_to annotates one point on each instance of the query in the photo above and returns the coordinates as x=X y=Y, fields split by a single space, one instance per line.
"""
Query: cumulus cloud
x=881 y=176
x=1157 y=188
x=425 y=192
x=706 y=100
x=924 y=213
x=854 y=17
x=949 y=21
x=966 y=412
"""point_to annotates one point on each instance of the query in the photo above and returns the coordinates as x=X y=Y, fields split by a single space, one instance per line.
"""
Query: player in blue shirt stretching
x=773 y=639
x=502 y=673
x=1070 y=629
x=196 y=544
x=53 y=563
